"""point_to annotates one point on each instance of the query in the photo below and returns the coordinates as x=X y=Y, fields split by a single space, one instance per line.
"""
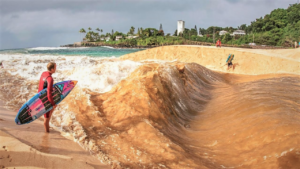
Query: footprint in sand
x=1 y=120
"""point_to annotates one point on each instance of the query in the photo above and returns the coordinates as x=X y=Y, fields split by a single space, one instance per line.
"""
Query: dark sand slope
x=186 y=116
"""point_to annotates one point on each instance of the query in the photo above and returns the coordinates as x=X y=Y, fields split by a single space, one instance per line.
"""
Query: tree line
x=279 y=28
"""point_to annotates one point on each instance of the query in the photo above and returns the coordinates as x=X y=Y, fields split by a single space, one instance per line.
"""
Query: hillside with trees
x=279 y=28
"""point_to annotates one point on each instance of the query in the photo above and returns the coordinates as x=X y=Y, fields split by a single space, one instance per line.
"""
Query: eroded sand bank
x=248 y=61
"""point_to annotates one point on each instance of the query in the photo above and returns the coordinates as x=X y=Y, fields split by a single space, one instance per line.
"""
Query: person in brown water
x=46 y=81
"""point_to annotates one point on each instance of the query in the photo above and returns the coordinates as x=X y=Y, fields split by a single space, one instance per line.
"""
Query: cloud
x=56 y=22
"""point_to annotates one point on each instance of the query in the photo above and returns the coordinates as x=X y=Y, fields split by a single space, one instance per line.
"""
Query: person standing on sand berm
x=218 y=44
x=46 y=81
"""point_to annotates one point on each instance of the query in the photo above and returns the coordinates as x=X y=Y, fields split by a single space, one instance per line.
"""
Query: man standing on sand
x=229 y=61
x=46 y=81
x=299 y=44
x=295 y=44
x=218 y=44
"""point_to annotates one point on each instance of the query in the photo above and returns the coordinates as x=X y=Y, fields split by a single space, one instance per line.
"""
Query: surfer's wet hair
x=50 y=66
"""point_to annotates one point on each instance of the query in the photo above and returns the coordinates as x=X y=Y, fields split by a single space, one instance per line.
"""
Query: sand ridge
x=247 y=61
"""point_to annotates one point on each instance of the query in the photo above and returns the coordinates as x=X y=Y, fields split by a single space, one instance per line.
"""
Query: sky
x=51 y=23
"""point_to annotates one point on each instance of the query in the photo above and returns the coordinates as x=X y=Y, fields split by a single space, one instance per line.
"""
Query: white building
x=239 y=32
x=222 y=32
x=107 y=38
x=180 y=27
x=131 y=37
x=118 y=37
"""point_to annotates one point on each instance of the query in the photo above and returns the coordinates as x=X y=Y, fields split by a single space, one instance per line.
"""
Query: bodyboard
x=230 y=58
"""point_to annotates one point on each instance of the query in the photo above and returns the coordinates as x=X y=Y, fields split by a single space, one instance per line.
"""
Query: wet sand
x=29 y=146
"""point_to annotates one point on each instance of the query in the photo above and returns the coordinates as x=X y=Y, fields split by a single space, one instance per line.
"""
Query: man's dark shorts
x=230 y=63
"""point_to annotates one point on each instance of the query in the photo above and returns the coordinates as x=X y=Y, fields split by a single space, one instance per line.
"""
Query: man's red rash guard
x=46 y=81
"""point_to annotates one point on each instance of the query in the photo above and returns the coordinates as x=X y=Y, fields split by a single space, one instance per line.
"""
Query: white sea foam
x=48 y=48
x=97 y=74
x=102 y=77
x=108 y=47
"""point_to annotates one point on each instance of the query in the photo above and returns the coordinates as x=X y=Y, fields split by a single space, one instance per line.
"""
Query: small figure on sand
x=218 y=44
x=1 y=65
x=296 y=44
x=46 y=81
x=299 y=44
x=229 y=61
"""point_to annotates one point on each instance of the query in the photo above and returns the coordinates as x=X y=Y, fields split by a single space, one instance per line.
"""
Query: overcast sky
x=47 y=23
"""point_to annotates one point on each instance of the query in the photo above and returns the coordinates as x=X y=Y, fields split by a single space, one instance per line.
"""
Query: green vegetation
x=279 y=28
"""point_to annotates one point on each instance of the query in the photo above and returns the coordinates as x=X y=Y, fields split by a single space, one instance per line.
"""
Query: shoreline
x=29 y=146
x=99 y=44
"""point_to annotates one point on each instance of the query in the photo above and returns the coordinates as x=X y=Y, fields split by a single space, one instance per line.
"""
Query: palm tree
x=101 y=31
x=82 y=31
x=141 y=30
x=132 y=30
x=96 y=35
x=138 y=32
x=88 y=36
x=89 y=28
x=98 y=30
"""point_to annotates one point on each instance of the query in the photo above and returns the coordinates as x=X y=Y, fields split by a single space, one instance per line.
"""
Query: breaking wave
x=48 y=48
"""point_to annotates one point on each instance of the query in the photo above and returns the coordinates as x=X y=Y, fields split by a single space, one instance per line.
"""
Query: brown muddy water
x=176 y=115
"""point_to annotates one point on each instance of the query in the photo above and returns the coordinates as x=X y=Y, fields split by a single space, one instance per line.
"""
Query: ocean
x=105 y=51
x=163 y=114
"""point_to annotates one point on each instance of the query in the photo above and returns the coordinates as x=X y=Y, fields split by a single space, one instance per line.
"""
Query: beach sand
x=247 y=61
x=28 y=146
